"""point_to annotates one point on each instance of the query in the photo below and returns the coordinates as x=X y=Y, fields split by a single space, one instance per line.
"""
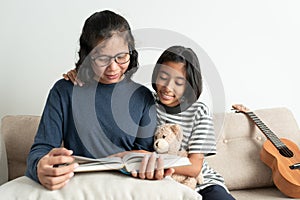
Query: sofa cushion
x=18 y=133
x=239 y=143
x=101 y=185
x=268 y=193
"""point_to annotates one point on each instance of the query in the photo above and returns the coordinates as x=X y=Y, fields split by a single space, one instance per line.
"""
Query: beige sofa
x=239 y=143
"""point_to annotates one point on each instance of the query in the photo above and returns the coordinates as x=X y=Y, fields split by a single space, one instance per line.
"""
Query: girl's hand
x=148 y=171
x=147 y=168
x=51 y=171
x=72 y=76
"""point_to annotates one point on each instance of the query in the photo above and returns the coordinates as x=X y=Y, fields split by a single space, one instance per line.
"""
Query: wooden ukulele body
x=287 y=180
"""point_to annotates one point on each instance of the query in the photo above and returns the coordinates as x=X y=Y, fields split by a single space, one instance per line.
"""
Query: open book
x=129 y=162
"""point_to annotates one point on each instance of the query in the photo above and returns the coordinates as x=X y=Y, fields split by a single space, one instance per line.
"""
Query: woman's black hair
x=188 y=57
x=98 y=27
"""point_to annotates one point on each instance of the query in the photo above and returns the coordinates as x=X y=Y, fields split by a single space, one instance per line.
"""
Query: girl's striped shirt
x=198 y=135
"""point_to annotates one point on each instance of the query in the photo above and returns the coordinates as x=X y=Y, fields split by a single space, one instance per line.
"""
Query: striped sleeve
x=202 y=138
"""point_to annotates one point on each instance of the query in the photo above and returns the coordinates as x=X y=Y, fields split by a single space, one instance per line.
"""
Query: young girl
x=177 y=81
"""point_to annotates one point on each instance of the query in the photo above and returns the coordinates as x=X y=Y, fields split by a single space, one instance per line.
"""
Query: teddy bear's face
x=168 y=138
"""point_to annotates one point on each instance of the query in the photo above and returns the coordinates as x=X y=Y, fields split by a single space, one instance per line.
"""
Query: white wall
x=254 y=45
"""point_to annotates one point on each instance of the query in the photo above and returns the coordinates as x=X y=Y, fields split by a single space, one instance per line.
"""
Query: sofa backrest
x=18 y=133
x=239 y=143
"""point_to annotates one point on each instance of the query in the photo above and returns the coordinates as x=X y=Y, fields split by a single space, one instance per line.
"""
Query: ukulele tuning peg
x=236 y=111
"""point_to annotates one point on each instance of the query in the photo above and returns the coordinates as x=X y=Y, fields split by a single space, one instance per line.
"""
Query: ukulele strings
x=283 y=149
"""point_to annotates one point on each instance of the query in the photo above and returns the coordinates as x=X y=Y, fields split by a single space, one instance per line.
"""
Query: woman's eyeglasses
x=103 y=61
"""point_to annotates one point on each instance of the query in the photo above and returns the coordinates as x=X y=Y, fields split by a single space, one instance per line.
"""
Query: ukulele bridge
x=295 y=166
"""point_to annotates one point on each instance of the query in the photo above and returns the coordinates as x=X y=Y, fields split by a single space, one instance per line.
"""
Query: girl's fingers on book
x=159 y=172
x=169 y=172
x=160 y=163
x=151 y=166
x=134 y=173
x=143 y=166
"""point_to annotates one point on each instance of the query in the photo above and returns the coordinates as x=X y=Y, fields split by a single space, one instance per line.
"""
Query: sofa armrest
x=3 y=162
x=18 y=133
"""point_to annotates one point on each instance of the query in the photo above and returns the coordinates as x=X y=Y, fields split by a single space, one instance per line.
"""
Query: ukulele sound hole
x=286 y=152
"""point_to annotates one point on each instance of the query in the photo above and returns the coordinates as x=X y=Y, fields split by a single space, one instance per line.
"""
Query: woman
x=111 y=114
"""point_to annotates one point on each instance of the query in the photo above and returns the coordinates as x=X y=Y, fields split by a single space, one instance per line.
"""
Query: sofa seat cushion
x=100 y=185
x=269 y=193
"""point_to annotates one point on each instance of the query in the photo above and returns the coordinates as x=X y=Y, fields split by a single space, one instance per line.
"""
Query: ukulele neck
x=266 y=131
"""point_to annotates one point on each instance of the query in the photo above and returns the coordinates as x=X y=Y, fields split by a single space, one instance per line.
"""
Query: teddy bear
x=167 y=140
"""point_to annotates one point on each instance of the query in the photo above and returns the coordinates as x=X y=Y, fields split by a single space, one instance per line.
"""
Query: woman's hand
x=72 y=76
x=52 y=172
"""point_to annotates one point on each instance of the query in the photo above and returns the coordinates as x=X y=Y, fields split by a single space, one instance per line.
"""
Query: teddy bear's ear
x=177 y=130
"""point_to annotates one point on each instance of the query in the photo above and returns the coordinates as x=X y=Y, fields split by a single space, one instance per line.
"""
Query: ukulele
x=281 y=155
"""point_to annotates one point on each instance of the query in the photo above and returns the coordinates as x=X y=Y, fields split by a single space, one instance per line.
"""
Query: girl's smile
x=171 y=83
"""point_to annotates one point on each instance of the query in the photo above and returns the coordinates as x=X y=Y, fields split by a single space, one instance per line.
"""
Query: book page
x=132 y=161
x=81 y=159
x=174 y=161
x=91 y=164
